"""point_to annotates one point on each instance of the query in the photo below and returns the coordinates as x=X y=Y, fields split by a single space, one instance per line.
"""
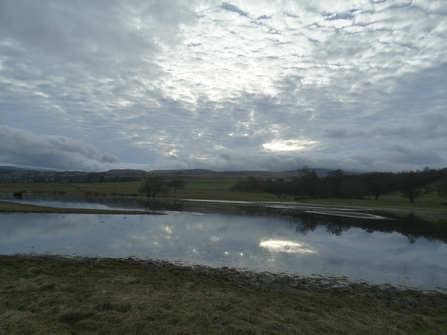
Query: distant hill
x=266 y=174
x=133 y=172
x=183 y=171
x=11 y=169
x=125 y=172
x=322 y=172
x=258 y=174
x=280 y=174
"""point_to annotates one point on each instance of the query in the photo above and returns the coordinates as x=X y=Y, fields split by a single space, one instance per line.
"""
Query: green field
x=196 y=188
x=219 y=188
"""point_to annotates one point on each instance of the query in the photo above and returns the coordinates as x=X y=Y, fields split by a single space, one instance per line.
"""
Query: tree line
x=153 y=184
x=66 y=177
x=305 y=183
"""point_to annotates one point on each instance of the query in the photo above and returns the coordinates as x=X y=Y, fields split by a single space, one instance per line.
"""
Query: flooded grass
x=428 y=203
x=54 y=295
x=9 y=207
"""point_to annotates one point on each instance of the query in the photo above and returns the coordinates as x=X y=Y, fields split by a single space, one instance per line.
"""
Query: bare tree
x=378 y=183
x=308 y=179
x=289 y=174
x=151 y=185
x=412 y=187
x=177 y=184
x=412 y=193
x=442 y=188
x=336 y=180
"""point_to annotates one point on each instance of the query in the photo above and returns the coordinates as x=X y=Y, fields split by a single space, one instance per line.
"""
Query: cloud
x=165 y=83
x=54 y=152
x=413 y=156
x=232 y=8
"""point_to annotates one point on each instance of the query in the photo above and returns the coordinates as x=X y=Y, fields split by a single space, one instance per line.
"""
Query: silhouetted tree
x=412 y=186
x=289 y=174
x=177 y=184
x=378 y=184
x=151 y=185
x=354 y=187
x=442 y=188
x=335 y=178
x=307 y=180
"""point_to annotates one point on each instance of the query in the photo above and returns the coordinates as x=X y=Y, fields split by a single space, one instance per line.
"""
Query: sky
x=357 y=85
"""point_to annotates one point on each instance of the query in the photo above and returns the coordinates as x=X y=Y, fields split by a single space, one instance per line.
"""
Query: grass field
x=80 y=190
x=51 y=295
x=218 y=188
x=196 y=188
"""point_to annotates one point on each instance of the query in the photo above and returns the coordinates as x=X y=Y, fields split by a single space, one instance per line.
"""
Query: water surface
x=308 y=246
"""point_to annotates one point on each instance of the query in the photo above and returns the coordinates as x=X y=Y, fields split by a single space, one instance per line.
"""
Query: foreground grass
x=52 y=295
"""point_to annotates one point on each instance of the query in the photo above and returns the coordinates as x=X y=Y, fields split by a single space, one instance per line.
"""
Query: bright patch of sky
x=267 y=85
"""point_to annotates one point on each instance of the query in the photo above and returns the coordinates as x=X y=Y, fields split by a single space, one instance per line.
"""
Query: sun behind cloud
x=289 y=145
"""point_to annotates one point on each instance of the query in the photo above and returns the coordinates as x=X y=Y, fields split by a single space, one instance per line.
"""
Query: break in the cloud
x=232 y=85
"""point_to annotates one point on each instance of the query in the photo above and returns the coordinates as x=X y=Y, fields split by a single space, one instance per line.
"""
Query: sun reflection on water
x=286 y=246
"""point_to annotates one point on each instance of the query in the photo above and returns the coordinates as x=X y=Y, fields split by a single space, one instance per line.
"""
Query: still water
x=300 y=245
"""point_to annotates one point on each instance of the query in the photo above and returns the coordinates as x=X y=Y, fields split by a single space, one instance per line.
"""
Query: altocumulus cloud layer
x=92 y=85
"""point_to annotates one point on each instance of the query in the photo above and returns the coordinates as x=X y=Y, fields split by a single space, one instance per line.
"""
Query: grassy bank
x=51 y=295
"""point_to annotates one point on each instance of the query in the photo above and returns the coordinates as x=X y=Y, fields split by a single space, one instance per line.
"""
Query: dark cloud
x=232 y=8
x=414 y=156
x=57 y=152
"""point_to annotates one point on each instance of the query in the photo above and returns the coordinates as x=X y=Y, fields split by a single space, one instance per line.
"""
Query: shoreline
x=52 y=294
x=239 y=277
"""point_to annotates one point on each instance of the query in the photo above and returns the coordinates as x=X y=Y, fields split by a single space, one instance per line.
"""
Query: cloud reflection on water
x=259 y=243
